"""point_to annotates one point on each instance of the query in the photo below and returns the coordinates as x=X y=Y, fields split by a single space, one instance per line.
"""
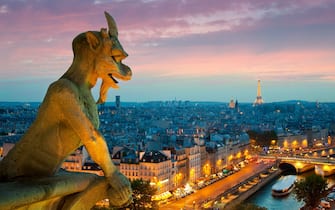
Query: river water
x=264 y=198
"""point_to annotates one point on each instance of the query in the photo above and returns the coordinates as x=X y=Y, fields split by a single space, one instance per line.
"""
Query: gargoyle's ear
x=92 y=40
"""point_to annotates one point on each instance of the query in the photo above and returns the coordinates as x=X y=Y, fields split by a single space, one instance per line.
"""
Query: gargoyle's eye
x=116 y=58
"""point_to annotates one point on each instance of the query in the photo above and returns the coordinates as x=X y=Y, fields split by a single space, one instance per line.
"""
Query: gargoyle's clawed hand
x=120 y=193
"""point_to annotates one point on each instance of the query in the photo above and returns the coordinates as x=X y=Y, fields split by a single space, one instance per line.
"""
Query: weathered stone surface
x=48 y=192
x=67 y=119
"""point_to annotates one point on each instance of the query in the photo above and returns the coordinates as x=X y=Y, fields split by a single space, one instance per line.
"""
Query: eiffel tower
x=259 y=99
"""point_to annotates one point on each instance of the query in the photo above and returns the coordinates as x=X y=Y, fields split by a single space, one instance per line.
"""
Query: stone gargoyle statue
x=68 y=116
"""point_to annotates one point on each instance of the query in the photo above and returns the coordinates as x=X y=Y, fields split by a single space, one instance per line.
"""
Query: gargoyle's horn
x=112 y=29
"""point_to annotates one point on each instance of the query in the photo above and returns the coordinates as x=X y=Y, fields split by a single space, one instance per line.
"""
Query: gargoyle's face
x=109 y=64
x=108 y=61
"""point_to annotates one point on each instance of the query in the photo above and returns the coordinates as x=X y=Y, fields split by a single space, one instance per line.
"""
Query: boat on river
x=284 y=185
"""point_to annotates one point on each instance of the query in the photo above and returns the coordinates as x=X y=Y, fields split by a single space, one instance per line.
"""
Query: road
x=215 y=189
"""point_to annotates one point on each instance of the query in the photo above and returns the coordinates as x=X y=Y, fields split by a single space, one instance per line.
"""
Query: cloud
x=173 y=39
x=50 y=39
x=164 y=19
x=150 y=20
x=27 y=61
x=4 y=9
x=329 y=77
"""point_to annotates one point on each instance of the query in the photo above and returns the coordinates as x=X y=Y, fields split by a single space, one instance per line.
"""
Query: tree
x=142 y=193
x=310 y=190
x=249 y=206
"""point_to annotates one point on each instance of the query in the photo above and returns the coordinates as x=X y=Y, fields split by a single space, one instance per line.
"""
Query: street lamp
x=207 y=169
x=179 y=177
x=218 y=165
x=238 y=156
x=246 y=154
x=176 y=180
x=192 y=175
x=230 y=158
x=226 y=154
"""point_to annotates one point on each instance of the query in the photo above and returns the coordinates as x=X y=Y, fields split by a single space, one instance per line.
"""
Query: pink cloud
x=159 y=19
x=283 y=65
x=141 y=21
x=220 y=36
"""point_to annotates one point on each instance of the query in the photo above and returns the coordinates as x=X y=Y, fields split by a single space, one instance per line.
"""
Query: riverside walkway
x=211 y=192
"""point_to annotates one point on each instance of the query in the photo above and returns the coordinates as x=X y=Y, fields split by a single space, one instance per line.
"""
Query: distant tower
x=236 y=106
x=117 y=102
x=259 y=99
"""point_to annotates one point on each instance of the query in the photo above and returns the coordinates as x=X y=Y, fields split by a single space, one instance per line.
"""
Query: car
x=327 y=199
x=325 y=204
x=330 y=199
x=331 y=195
x=319 y=207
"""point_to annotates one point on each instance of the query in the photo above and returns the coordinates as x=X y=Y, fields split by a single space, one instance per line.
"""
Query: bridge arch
x=288 y=167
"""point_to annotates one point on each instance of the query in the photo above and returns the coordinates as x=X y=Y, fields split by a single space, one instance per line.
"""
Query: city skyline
x=185 y=50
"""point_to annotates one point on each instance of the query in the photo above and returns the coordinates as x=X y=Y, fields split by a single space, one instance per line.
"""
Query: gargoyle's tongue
x=111 y=76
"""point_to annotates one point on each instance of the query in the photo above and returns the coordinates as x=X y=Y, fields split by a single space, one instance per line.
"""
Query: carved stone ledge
x=63 y=191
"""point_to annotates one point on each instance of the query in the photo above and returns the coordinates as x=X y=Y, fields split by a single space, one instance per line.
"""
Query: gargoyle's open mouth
x=114 y=80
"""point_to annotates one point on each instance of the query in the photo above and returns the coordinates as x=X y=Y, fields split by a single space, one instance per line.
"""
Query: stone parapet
x=64 y=190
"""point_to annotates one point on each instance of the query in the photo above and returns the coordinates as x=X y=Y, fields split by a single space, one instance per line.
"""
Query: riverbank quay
x=246 y=189
x=211 y=193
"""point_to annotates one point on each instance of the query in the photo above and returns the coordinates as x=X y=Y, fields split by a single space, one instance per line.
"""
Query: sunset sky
x=198 y=50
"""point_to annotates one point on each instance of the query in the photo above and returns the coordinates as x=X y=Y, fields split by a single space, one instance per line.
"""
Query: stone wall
x=244 y=196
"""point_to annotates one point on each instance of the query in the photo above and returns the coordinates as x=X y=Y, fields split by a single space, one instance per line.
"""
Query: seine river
x=264 y=198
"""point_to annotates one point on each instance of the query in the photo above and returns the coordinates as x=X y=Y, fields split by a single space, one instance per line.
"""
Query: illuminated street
x=215 y=189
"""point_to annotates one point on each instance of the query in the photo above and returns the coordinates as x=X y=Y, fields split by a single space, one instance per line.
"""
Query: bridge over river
x=324 y=166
